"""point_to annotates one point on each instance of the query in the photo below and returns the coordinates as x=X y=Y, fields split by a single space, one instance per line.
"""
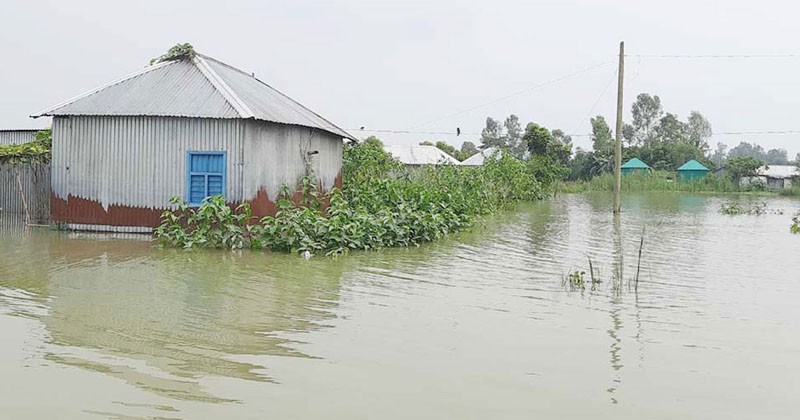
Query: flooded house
x=775 y=177
x=692 y=170
x=635 y=166
x=415 y=155
x=24 y=188
x=479 y=158
x=192 y=127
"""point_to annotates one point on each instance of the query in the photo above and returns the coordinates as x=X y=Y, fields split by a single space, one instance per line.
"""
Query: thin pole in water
x=618 y=137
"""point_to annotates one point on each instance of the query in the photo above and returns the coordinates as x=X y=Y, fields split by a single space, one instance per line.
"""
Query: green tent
x=635 y=166
x=692 y=170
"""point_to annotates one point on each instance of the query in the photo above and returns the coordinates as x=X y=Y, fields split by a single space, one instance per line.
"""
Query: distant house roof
x=201 y=87
x=413 y=154
x=779 y=171
x=693 y=165
x=635 y=163
x=478 y=158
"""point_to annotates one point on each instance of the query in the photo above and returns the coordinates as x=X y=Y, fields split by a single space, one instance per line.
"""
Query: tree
x=537 y=138
x=743 y=166
x=468 y=149
x=602 y=141
x=720 y=153
x=797 y=159
x=580 y=165
x=542 y=143
x=492 y=134
x=698 y=130
x=647 y=112
x=514 y=136
x=777 y=157
x=670 y=130
x=745 y=149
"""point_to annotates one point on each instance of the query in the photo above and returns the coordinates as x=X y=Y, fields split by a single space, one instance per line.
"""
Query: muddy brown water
x=476 y=326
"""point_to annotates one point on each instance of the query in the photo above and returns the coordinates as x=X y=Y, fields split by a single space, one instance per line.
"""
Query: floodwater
x=478 y=326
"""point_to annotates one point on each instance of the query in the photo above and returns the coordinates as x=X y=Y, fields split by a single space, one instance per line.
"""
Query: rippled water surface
x=477 y=326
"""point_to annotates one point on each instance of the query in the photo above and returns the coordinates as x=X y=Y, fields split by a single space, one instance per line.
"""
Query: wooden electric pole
x=618 y=132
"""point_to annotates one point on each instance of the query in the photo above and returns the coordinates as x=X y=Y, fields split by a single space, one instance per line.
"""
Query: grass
x=667 y=182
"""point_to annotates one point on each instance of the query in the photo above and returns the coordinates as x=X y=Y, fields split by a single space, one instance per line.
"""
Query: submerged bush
x=38 y=150
x=796 y=223
x=382 y=204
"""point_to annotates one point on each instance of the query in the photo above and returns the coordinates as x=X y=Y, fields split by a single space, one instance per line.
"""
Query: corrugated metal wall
x=16 y=136
x=274 y=154
x=35 y=181
x=122 y=170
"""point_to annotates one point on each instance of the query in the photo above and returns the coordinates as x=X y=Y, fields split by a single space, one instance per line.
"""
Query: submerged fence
x=25 y=189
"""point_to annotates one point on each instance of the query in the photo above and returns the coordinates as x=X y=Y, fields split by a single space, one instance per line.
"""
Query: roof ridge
x=205 y=57
x=91 y=92
x=219 y=84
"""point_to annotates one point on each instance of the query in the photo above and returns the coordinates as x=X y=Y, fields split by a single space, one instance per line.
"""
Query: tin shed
x=18 y=136
x=634 y=165
x=193 y=127
x=692 y=170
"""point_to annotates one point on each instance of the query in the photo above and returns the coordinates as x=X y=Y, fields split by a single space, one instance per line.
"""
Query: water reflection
x=108 y=305
x=475 y=326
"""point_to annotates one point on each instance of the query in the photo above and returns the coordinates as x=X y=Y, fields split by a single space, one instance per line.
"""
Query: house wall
x=277 y=154
x=34 y=178
x=691 y=175
x=122 y=171
x=16 y=136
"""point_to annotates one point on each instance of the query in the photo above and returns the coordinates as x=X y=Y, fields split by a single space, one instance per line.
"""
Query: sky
x=426 y=66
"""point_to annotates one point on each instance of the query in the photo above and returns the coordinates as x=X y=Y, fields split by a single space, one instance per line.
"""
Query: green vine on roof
x=183 y=51
x=38 y=150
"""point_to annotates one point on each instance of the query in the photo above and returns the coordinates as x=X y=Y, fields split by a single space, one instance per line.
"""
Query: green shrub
x=382 y=204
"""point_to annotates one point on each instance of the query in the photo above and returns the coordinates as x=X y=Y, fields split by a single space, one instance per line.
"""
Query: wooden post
x=22 y=197
x=618 y=132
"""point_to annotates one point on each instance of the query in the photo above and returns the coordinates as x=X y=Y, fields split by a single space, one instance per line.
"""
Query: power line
x=527 y=90
x=438 y=133
x=602 y=94
x=737 y=133
x=715 y=56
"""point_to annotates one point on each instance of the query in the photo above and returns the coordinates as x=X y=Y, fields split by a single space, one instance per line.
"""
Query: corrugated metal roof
x=414 y=154
x=693 y=165
x=479 y=158
x=635 y=163
x=200 y=88
x=779 y=171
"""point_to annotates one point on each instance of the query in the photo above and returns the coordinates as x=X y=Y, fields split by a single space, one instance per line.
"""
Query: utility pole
x=618 y=132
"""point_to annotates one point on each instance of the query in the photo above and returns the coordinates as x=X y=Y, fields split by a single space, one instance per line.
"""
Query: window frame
x=189 y=173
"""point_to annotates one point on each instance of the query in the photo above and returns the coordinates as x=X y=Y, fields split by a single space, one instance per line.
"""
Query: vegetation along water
x=382 y=204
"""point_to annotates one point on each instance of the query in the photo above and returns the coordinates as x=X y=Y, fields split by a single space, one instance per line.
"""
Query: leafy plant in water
x=211 y=225
x=575 y=280
x=753 y=208
x=796 y=223
x=382 y=204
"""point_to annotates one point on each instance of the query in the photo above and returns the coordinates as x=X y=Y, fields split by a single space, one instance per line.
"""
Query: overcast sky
x=397 y=65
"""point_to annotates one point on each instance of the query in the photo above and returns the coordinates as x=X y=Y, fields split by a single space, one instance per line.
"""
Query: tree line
x=660 y=138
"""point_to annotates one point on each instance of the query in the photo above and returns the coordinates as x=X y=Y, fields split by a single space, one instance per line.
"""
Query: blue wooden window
x=205 y=176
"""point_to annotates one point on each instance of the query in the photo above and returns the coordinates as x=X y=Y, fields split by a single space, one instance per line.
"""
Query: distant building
x=18 y=136
x=192 y=127
x=634 y=166
x=692 y=170
x=479 y=158
x=418 y=155
x=774 y=177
